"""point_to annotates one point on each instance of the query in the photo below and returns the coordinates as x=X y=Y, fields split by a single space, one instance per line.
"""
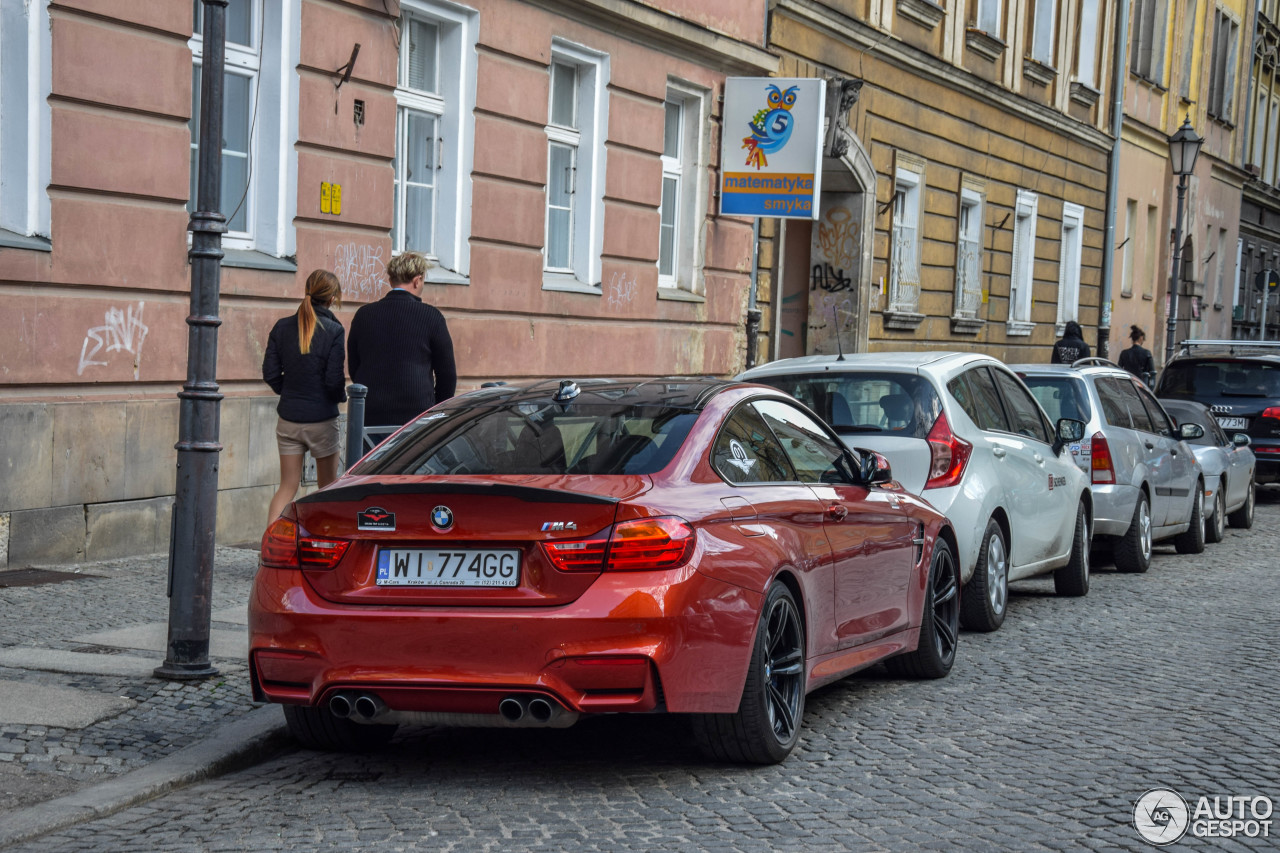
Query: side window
x=1126 y=394
x=976 y=393
x=1159 y=417
x=746 y=451
x=814 y=455
x=1114 y=410
x=1024 y=411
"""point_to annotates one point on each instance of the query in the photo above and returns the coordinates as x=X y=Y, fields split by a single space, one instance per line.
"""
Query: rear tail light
x=1104 y=473
x=1271 y=412
x=644 y=544
x=285 y=545
x=948 y=455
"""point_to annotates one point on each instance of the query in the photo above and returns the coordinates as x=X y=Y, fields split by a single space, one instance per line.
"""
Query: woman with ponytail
x=1137 y=358
x=305 y=365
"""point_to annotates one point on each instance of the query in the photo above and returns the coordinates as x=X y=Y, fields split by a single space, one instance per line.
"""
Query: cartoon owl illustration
x=771 y=126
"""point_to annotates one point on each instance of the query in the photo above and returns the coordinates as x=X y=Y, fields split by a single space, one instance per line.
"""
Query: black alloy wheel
x=940 y=622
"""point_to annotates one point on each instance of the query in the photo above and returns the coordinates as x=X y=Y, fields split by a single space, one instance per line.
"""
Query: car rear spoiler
x=364 y=491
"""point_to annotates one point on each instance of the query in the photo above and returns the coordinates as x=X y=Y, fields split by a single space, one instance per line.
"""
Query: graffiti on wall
x=361 y=271
x=837 y=237
x=622 y=290
x=121 y=331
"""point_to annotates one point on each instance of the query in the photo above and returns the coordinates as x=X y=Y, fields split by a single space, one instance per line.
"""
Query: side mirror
x=1069 y=430
x=1189 y=431
x=1240 y=440
x=875 y=468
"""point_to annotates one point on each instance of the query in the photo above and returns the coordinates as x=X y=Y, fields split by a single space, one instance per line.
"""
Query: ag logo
x=375 y=518
x=1161 y=816
x=442 y=517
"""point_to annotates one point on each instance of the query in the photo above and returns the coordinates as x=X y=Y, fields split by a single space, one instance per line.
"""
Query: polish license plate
x=448 y=567
x=1233 y=423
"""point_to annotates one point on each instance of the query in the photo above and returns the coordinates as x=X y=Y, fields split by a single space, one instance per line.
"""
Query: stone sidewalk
x=85 y=727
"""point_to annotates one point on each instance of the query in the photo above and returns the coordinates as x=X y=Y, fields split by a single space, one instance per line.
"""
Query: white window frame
x=1022 y=272
x=989 y=16
x=453 y=108
x=968 y=289
x=1087 y=46
x=905 y=236
x=1072 y=243
x=1148 y=30
x=588 y=142
x=271 y=64
x=688 y=170
x=1130 y=243
x=1222 y=267
x=1044 y=26
x=25 y=83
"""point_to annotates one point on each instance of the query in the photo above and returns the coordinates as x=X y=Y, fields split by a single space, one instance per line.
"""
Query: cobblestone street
x=1042 y=738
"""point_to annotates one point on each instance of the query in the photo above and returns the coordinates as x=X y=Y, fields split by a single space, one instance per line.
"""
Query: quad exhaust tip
x=511 y=709
x=340 y=705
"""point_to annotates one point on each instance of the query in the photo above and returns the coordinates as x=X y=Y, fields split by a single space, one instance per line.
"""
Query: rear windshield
x=1220 y=378
x=536 y=438
x=866 y=402
x=1060 y=396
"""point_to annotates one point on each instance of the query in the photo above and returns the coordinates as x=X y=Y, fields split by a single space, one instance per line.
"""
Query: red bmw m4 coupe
x=527 y=555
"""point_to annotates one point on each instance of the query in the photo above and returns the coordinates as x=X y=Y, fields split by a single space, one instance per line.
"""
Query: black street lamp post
x=191 y=544
x=1184 y=148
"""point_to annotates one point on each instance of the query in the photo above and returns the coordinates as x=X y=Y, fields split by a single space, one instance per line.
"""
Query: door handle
x=1173 y=451
x=836 y=512
x=1038 y=458
x=1149 y=445
x=998 y=452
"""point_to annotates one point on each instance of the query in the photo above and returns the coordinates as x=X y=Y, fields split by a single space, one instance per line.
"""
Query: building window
x=1146 y=47
x=968 y=296
x=1087 y=45
x=1222 y=73
x=1069 y=264
x=988 y=17
x=435 y=96
x=1222 y=267
x=1044 y=23
x=1150 y=252
x=575 y=165
x=1022 y=274
x=1271 y=136
x=25 y=74
x=1188 y=43
x=1259 y=132
x=258 y=130
x=1130 y=237
x=904 y=268
x=684 y=183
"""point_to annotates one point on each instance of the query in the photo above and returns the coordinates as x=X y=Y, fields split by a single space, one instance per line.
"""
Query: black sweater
x=400 y=348
x=310 y=386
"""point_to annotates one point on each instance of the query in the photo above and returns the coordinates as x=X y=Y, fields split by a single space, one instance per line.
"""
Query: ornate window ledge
x=1018 y=328
x=1083 y=93
x=966 y=325
x=905 y=321
x=984 y=44
x=1038 y=72
x=924 y=12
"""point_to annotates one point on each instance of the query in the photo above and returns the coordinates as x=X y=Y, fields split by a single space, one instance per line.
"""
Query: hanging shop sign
x=771 y=147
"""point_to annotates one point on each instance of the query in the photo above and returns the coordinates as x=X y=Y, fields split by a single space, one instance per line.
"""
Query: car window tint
x=1186 y=413
x=1206 y=378
x=976 y=393
x=865 y=402
x=1114 y=409
x=814 y=455
x=1060 y=396
x=1126 y=395
x=1025 y=413
x=1159 y=418
x=746 y=451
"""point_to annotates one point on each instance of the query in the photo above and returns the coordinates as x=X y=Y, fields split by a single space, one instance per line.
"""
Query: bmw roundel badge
x=442 y=517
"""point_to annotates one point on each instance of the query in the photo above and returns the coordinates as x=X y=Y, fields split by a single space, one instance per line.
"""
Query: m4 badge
x=559 y=525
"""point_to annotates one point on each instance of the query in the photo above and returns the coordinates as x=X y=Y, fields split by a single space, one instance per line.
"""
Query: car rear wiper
x=846 y=429
x=1245 y=394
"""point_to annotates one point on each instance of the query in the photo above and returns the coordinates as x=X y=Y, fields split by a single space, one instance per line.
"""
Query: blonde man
x=400 y=348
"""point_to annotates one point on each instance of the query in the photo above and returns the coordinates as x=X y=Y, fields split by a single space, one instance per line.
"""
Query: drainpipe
x=753 y=312
x=1120 y=74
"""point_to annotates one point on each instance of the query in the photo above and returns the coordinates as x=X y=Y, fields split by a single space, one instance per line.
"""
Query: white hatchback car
x=963 y=431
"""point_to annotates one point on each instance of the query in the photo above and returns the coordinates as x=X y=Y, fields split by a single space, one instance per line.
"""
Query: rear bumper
x=1113 y=509
x=634 y=641
x=1267 y=465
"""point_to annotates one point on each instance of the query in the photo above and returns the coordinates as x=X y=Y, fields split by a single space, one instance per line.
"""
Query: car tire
x=1073 y=578
x=1215 y=526
x=766 y=726
x=986 y=595
x=1133 y=550
x=1192 y=540
x=939 y=622
x=1243 y=517
x=316 y=728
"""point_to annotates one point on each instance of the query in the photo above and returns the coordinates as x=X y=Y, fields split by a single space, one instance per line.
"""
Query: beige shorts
x=322 y=439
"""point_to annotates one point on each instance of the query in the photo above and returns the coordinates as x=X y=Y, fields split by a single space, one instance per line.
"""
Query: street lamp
x=1184 y=148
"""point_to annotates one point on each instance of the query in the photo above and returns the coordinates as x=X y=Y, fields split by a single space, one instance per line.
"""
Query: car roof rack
x=1095 y=361
x=1232 y=347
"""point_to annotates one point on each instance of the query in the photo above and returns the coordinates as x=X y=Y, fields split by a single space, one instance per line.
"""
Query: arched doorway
x=825 y=264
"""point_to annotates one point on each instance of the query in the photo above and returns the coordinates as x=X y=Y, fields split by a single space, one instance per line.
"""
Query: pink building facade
x=558 y=159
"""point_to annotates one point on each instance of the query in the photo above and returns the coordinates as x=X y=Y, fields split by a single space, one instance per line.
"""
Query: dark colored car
x=531 y=554
x=1240 y=383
